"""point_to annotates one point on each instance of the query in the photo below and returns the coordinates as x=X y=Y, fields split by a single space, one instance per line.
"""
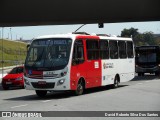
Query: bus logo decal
x=108 y=65
x=96 y=64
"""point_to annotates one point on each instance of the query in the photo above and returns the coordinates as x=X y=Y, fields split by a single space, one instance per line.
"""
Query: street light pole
x=2 y=51
x=11 y=32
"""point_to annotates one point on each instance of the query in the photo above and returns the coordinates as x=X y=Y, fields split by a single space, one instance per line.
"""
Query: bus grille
x=43 y=86
x=36 y=76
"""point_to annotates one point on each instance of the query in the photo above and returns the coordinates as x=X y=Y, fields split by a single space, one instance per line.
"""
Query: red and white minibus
x=78 y=61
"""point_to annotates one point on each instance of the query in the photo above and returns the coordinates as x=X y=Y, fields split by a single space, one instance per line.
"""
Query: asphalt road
x=140 y=94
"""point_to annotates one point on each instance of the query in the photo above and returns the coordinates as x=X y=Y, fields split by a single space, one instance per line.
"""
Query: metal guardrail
x=6 y=63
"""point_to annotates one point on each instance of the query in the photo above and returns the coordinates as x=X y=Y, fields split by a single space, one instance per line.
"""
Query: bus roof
x=115 y=38
x=74 y=36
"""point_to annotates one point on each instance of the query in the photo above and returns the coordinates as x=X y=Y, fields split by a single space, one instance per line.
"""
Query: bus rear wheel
x=41 y=93
x=80 y=88
x=116 y=82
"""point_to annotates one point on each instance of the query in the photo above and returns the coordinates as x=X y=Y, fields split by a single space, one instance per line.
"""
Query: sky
x=30 y=32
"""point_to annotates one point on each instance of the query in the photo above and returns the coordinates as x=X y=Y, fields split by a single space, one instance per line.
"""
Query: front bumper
x=46 y=84
x=147 y=70
x=13 y=83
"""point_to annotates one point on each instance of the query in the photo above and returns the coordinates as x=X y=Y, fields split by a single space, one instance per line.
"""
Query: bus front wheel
x=140 y=74
x=157 y=73
x=41 y=93
x=80 y=88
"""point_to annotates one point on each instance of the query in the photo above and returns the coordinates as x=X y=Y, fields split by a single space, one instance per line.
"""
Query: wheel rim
x=116 y=83
x=79 y=89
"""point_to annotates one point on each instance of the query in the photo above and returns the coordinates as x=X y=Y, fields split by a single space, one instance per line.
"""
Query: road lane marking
x=19 y=106
x=47 y=101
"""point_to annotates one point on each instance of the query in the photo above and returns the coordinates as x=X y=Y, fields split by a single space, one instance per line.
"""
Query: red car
x=14 y=78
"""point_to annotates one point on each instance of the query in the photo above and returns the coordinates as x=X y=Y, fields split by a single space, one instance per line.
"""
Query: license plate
x=8 y=83
x=48 y=73
x=42 y=82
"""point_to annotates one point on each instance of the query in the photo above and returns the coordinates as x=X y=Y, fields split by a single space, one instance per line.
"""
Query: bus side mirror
x=28 y=47
x=76 y=61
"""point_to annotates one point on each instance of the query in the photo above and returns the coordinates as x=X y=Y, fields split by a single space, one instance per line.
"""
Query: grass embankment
x=13 y=52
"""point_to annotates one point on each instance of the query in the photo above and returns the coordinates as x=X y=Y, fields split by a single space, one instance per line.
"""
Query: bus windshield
x=147 y=57
x=48 y=54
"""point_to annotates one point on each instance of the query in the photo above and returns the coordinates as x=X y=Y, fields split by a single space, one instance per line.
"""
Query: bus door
x=78 y=67
x=93 y=63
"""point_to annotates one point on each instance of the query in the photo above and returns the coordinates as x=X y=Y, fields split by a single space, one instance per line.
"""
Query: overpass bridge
x=56 y=12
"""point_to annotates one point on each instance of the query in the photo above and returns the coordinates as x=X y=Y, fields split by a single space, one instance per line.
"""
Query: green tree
x=139 y=39
x=149 y=38
x=132 y=32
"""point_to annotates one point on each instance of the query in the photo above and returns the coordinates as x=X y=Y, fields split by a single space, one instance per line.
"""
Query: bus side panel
x=77 y=72
x=89 y=70
x=108 y=71
x=94 y=72
x=125 y=68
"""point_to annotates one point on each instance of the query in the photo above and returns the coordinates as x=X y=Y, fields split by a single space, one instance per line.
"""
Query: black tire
x=80 y=88
x=22 y=87
x=5 y=87
x=139 y=74
x=116 y=82
x=156 y=73
x=41 y=93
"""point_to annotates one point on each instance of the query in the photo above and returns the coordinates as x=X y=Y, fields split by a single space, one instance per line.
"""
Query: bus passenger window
x=78 y=53
x=122 y=49
x=113 y=49
x=104 y=50
x=130 y=49
x=92 y=49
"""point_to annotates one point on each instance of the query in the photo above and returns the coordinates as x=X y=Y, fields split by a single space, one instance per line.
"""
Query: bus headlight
x=64 y=72
x=26 y=82
x=60 y=82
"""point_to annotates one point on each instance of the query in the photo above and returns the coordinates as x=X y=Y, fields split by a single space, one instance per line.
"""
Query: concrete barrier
x=9 y=67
